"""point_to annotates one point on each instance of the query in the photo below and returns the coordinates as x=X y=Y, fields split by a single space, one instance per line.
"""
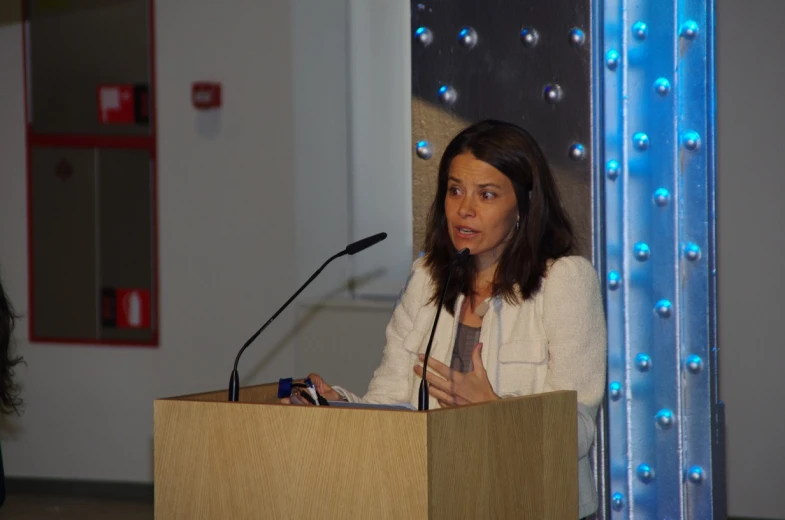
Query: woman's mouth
x=466 y=232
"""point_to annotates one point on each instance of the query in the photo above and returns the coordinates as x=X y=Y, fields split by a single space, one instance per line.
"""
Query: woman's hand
x=322 y=387
x=454 y=388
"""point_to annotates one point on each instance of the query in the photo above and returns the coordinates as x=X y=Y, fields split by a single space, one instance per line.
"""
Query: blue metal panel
x=657 y=111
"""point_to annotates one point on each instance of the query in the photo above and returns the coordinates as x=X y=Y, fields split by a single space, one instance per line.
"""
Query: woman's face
x=481 y=208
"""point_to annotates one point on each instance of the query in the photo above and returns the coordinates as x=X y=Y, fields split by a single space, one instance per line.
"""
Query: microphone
x=351 y=249
x=365 y=243
x=422 y=402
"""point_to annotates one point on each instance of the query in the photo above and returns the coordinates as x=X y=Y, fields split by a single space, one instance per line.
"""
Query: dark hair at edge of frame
x=9 y=391
x=545 y=232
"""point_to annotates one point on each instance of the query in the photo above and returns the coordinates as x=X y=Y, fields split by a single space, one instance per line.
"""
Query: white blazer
x=553 y=341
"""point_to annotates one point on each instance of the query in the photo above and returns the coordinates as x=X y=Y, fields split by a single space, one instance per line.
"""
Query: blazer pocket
x=522 y=366
x=524 y=350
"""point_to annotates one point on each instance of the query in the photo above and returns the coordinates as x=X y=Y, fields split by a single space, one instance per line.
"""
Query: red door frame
x=146 y=142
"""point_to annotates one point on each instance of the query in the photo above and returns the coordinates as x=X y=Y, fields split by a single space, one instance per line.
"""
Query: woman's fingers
x=323 y=388
x=445 y=399
x=438 y=367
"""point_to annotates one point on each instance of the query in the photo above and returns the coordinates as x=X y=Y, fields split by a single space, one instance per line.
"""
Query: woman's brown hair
x=544 y=232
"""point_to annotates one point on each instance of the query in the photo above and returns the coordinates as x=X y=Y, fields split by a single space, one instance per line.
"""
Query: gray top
x=465 y=340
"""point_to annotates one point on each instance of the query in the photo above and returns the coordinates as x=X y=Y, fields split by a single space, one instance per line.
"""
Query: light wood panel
x=235 y=460
x=515 y=458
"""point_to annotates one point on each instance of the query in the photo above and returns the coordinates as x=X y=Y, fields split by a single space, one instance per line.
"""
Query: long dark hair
x=544 y=233
x=9 y=391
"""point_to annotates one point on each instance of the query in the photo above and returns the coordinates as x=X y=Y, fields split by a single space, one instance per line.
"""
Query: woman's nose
x=466 y=209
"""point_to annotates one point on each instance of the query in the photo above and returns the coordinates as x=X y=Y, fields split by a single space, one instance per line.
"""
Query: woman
x=9 y=391
x=525 y=316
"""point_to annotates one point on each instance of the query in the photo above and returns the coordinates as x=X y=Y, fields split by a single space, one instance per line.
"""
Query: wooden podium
x=514 y=458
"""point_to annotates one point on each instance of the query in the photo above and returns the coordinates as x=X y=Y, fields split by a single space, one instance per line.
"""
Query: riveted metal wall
x=665 y=420
x=524 y=62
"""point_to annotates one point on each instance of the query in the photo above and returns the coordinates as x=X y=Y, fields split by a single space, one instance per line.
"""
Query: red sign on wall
x=116 y=104
x=125 y=308
x=133 y=309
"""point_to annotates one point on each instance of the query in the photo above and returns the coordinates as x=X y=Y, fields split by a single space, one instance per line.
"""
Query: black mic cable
x=422 y=402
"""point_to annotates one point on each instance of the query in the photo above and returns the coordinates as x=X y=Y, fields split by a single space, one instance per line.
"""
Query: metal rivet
x=645 y=473
x=424 y=36
x=447 y=95
x=692 y=140
x=640 y=30
x=692 y=252
x=641 y=141
x=664 y=419
x=641 y=251
x=530 y=37
x=468 y=37
x=663 y=309
x=552 y=93
x=662 y=86
x=424 y=150
x=612 y=169
x=612 y=59
x=694 y=364
x=617 y=501
x=643 y=362
x=614 y=280
x=615 y=390
x=577 y=37
x=695 y=474
x=662 y=197
x=577 y=152
x=689 y=30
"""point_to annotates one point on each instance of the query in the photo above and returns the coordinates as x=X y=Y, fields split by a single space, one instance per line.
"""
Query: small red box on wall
x=206 y=95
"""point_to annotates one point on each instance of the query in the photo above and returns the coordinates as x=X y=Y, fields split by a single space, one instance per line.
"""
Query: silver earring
x=517 y=224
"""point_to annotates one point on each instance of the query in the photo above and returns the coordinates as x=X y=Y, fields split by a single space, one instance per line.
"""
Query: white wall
x=352 y=81
x=226 y=237
x=751 y=245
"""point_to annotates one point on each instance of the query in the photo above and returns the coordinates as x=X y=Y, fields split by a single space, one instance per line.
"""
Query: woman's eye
x=488 y=195
x=453 y=190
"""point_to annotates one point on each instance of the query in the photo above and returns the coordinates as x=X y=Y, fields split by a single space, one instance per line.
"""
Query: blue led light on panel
x=655 y=63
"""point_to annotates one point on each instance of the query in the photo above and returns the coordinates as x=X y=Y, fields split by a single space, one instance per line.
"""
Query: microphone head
x=365 y=243
x=462 y=256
